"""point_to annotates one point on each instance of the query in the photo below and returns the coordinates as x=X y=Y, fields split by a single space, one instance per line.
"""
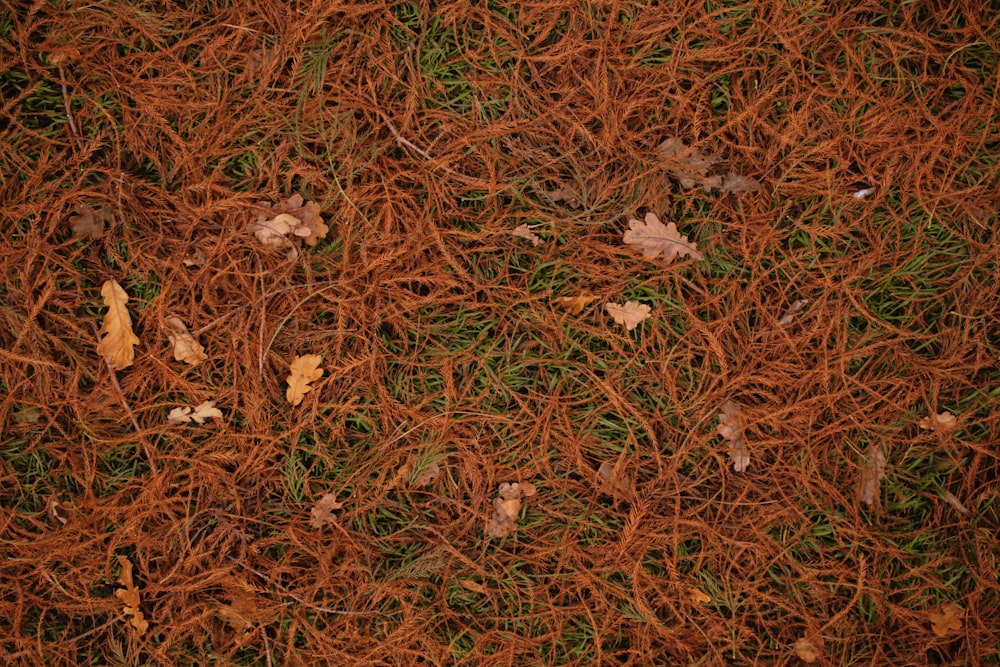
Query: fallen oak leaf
x=629 y=314
x=655 y=238
x=524 y=232
x=304 y=370
x=118 y=340
x=731 y=428
x=130 y=596
x=806 y=650
x=185 y=415
x=698 y=596
x=789 y=315
x=88 y=222
x=944 y=421
x=871 y=475
x=947 y=620
x=322 y=512
x=186 y=346
x=574 y=305
x=507 y=507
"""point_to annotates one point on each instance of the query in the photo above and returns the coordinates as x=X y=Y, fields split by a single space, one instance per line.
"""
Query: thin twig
x=66 y=104
x=135 y=422
x=299 y=599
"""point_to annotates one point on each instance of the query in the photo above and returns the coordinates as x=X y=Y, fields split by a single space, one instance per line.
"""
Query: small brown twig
x=69 y=110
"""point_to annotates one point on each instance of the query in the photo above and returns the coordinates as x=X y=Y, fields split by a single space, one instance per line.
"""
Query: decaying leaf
x=691 y=168
x=507 y=507
x=198 y=415
x=186 y=347
x=277 y=226
x=731 y=428
x=946 y=620
x=871 y=475
x=28 y=414
x=950 y=498
x=789 y=315
x=242 y=610
x=474 y=586
x=117 y=338
x=806 y=650
x=322 y=512
x=130 y=596
x=613 y=482
x=197 y=259
x=574 y=305
x=698 y=596
x=524 y=232
x=944 y=421
x=630 y=314
x=88 y=222
x=304 y=370
x=404 y=476
x=655 y=239
x=863 y=193
x=57 y=510
x=563 y=193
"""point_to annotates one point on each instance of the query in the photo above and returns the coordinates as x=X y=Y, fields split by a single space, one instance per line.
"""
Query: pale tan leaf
x=184 y=415
x=944 y=421
x=574 y=305
x=731 y=428
x=871 y=475
x=474 y=586
x=427 y=476
x=564 y=193
x=789 y=315
x=322 y=512
x=304 y=370
x=507 y=507
x=524 y=232
x=275 y=227
x=735 y=183
x=28 y=414
x=655 y=238
x=130 y=596
x=697 y=596
x=118 y=340
x=806 y=650
x=946 y=620
x=57 y=510
x=950 y=498
x=630 y=314
x=186 y=347
x=612 y=482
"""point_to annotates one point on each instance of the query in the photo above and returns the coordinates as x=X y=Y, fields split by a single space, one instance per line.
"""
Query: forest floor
x=349 y=333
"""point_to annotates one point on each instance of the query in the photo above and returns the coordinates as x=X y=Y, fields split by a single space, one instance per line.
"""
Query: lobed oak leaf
x=806 y=650
x=731 y=428
x=630 y=314
x=186 y=346
x=198 y=415
x=946 y=620
x=130 y=596
x=655 y=238
x=507 y=507
x=118 y=339
x=574 y=305
x=871 y=475
x=294 y=218
x=304 y=370
x=322 y=512
x=524 y=232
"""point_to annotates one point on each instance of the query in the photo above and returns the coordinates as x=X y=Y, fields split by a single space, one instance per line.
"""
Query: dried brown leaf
x=198 y=415
x=574 y=305
x=118 y=340
x=564 y=193
x=186 y=346
x=655 y=239
x=242 y=610
x=946 y=620
x=944 y=421
x=871 y=475
x=698 y=596
x=322 y=512
x=731 y=428
x=612 y=482
x=88 y=222
x=630 y=314
x=276 y=226
x=524 y=232
x=507 y=507
x=474 y=586
x=950 y=498
x=789 y=315
x=130 y=596
x=806 y=650
x=57 y=510
x=28 y=414
x=304 y=370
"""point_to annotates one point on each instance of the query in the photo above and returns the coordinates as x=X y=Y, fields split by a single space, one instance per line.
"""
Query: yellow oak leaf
x=630 y=314
x=130 y=596
x=304 y=369
x=574 y=305
x=186 y=347
x=118 y=339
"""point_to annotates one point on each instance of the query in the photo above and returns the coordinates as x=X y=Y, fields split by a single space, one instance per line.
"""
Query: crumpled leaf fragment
x=322 y=512
x=731 y=428
x=130 y=597
x=943 y=421
x=947 y=620
x=303 y=371
x=198 y=415
x=655 y=238
x=630 y=314
x=277 y=226
x=186 y=346
x=574 y=305
x=614 y=482
x=507 y=507
x=89 y=222
x=806 y=650
x=524 y=232
x=117 y=338
x=698 y=596
x=872 y=473
x=789 y=315
x=691 y=167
